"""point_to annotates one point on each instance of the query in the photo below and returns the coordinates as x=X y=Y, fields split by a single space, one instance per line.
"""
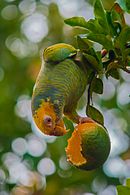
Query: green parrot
x=59 y=86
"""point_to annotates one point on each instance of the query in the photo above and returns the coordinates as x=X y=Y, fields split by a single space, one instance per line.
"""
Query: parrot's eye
x=47 y=120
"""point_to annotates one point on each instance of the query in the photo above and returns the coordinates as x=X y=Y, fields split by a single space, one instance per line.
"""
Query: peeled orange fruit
x=89 y=146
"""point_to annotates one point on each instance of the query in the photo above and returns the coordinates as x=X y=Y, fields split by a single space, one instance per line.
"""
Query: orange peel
x=89 y=146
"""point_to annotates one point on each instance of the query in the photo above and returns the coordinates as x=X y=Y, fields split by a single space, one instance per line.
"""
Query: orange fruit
x=89 y=146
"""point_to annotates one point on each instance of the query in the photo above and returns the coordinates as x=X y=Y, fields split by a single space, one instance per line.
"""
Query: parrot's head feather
x=47 y=121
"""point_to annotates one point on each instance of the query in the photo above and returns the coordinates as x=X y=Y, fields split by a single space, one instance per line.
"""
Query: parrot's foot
x=84 y=120
x=59 y=131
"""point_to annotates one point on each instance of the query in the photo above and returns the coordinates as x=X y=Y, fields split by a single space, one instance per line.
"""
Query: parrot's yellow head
x=46 y=120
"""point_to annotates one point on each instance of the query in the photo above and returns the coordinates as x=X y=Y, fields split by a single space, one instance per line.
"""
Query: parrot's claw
x=85 y=120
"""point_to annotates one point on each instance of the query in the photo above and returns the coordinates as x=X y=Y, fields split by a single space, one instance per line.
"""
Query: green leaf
x=68 y=124
x=99 y=56
x=127 y=52
x=95 y=114
x=110 y=24
x=100 y=14
x=76 y=21
x=113 y=65
x=123 y=190
x=92 y=52
x=117 y=15
x=93 y=61
x=128 y=5
x=101 y=39
x=128 y=182
x=124 y=37
x=94 y=26
x=97 y=85
x=82 y=44
x=113 y=73
x=122 y=40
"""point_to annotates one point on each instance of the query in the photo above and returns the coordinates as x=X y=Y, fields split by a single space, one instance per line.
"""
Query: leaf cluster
x=110 y=31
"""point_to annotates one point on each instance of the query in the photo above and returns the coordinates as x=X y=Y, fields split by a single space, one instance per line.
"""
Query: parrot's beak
x=59 y=129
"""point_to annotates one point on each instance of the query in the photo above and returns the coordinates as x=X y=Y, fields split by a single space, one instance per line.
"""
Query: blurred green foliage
x=19 y=66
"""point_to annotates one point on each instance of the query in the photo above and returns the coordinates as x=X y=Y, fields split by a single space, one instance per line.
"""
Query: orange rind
x=89 y=146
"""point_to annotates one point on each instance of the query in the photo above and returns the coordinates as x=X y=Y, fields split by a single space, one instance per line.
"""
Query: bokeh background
x=32 y=163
